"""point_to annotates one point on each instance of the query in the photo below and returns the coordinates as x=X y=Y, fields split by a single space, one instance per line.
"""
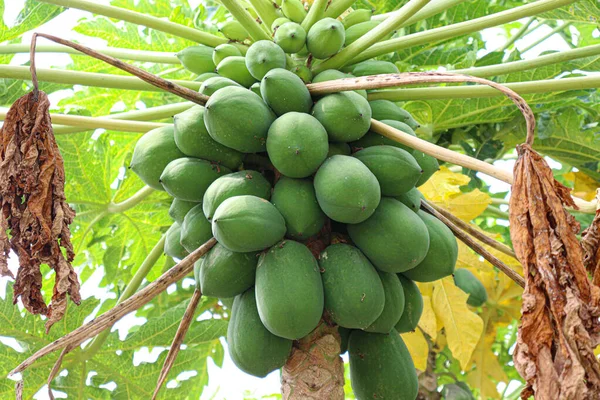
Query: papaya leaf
x=417 y=347
x=32 y=15
x=587 y=11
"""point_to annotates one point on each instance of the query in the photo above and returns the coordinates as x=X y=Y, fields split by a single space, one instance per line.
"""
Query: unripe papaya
x=278 y=22
x=393 y=307
x=346 y=190
x=252 y=347
x=387 y=110
x=247 y=223
x=179 y=208
x=223 y=273
x=173 y=247
x=294 y=10
x=192 y=138
x=197 y=59
x=297 y=144
x=381 y=367
x=395 y=169
x=255 y=88
x=289 y=291
x=205 y=76
x=223 y=51
x=355 y=31
x=411 y=199
x=457 y=391
x=325 y=38
x=303 y=72
x=239 y=183
x=333 y=74
x=234 y=68
x=195 y=230
x=344 y=336
x=296 y=201
x=394 y=238
x=374 y=67
x=339 y=148
x=429 y=165
x=354 y=294
x=468 y=283
x=152 y=153
x=188 y=178
x=413 y=306
x=291 y=37
x=264 y=56
x=239 y=119
x=285 y=92
x=233 y=30
x=345 y=115
x=356 y=17
x=375 y=139
x=211 y=85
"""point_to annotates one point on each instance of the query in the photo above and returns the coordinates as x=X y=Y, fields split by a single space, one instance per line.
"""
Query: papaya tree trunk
x=315 y=370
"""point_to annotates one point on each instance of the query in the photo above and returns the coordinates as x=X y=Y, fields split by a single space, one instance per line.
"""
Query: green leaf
x=587 y=11
x=31 y=16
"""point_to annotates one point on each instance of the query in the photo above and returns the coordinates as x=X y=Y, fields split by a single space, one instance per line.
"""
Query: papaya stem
x=519 y=34
x=266 y=12
x=554 y=31
x=243 y=17
x=315 y=13
x=137 y=198
x=431 y=9
x=337 y=7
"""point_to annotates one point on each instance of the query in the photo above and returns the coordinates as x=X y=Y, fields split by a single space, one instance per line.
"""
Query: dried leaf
x=417 y=347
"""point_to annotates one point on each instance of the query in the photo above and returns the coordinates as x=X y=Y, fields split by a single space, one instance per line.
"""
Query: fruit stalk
x=265 y=10
x=433 y=8
x=554 y=31
x=337 y=7
x=520 y=33
x=315 y=13
x=244 y=18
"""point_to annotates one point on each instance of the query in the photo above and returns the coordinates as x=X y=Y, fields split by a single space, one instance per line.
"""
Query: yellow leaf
x=426 y=288
x=468 y=206
x=584 y=186
x=487 y=371
x=428 y=321
x=417 y=347
x=443 y=184
x=463 y=327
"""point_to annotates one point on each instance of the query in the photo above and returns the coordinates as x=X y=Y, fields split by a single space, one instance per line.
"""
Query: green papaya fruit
x=468 y=283
x=303 y=72
x=233 y=30
x=255 y=88
x=188 y=178
x=285 y=92
x=192 y=138
x=347 y=191
x=358 y=30
x=325 y=38
x=262 y=57
x=239 y=183
x=234 y=68
x=211 y=85
x=296 y=201
x=387 y=110
x=205 y=76
x=197 y=59
x=195 y=229
x=374 y=67
x=252 y=347
x=381 y=367
x=395 y=239
x=278 y=22
x=247 y=223
x=173 y=247
x=354 y=294
x=356 y=17
x=289 y=291
x=393 y=307
x=457 y=391
x=297 y=144
x=294 y=10
x=396 y=170
x=223 y=273
x=333 y=74
x=344 y=336
x=291 y=37
x=345 y=115
x=239 y=119
x=411 y=199
x=375 y=139
x=223 y=51
x=338 y=148
x=429 y=165
x=413 y=306
x=179 y=208
x=152 y=153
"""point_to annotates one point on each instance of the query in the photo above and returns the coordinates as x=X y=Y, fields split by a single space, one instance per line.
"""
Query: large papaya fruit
x=375 y=139
x=411 y=199
x=234 y=68
x=195 y=229
x=152 y=153
x=381 y=367
x=468 y=283
x=325 y=38
x=233 y=30
x=346 y=116
x=297 y=144
x=373 y=67
x=394 y=238
x=263 y=56
x=179 y=208
x=247 y=223
x=441 y=256
x=393 y=307
x=289 y=291
x=252 y=347
x=212 y=84
x=387 y=110
x=223 y=51
x=354 y=294
x=413 y=306
x=428 y=164
x=197 y=59
x=188 y=178
x=291 y=37
x=296 y=201
x=239 y=119
x=339 y=148
x=285 y=92
x=173 y=247
x=346 y=190
x=239 y=183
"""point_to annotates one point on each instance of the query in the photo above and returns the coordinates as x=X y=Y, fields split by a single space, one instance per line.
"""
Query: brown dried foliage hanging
x=559 y=324
x=591 y=246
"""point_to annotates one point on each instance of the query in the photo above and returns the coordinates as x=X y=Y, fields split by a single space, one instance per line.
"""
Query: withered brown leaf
x=35 y=213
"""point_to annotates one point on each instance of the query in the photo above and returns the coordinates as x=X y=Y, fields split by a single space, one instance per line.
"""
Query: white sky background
x=229 y=382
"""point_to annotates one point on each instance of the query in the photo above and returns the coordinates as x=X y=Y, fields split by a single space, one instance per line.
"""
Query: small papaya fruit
x=188 y=178
x=468 y=283
x=381 y=367
x=294 y=10
x=289 y=291
x=394 y=238
x=239 y=119
x=354 y=294
x=375 y=139
x=205 y=76
x=239 y=183
x=297 y=144
x=255 y=88
x=387 y=110
x=393 y=307
x=413 y=306
x=235 y=68
x=223 y=51
x=457 y=391
x=263 y=56
x=211 y=85
x=179 y=208
x=358 y=30
x=192 y=138
x=195 y=229
x=333 y=74
x=303 y=72
x=411 y=199
x=347 y=191
x=285 y=92
x=291 y=37
x=374 y=67
x=223 y=273
x=197 y=59
x=356 y=17
x=429 y=165
x=233 y=30
x=296 y=201
x=396 y=170
x=247 y=223
x=252 y=347
x=339 y=148
x=152 y=153
x=325 y=38
x=278 y=22
x=173 y=247
x=346 y=116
